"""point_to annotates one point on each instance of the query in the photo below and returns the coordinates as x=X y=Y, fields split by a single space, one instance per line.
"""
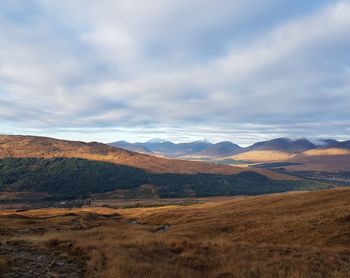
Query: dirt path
x=26 y=261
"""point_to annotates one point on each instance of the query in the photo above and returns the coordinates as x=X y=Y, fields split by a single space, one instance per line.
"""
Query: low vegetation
x=301 y=234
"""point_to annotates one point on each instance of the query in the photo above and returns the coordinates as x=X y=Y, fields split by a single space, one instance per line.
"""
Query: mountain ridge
x=21 y=146
x=291 y=145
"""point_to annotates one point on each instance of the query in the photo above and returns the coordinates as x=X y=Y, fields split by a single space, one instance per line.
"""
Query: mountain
x=280 y=149
x=221 y=149
x=165 y=148
x=322 y=154
x=181 y=150
x=332 y=143
x=288 y=145
x=170 y=149
x=131 y=147
x=218 y=150
x=327 y=143
x=344 y=145
x=327 y=155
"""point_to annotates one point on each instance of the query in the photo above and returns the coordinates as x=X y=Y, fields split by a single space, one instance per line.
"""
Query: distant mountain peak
x=285 y=144
x=325 y=142
x=204 y=141
x=157 y=140
x=295 y=138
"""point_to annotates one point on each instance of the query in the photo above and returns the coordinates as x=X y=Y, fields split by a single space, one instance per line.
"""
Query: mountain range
x=227 y=148
x=47 y=148
x=62 y=168
x=301 y=153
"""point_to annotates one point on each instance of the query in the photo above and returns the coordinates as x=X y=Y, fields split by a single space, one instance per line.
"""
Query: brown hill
x=42 y=147
x=322 y=159
x=263 y=156
x=319 y=159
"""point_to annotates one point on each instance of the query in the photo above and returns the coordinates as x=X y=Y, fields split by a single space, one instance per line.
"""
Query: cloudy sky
x=239 y=70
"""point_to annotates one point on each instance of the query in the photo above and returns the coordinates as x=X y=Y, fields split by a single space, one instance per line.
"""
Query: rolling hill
x=323 y=159
x=280 y=149
x=328 y=155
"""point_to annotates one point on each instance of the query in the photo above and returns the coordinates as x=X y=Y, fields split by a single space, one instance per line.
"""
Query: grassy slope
x=263 y=156
x=323 y=159
x=282 y=235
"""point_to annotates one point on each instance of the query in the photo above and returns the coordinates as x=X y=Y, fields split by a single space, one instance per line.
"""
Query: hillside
x=221 y=149
x=302 y=234
x=288 y=145
x=319 y=159
x=330 y=155
x=324 y=159
x=42 y=147
x=66 y=178
x=280 y=149
x=263 y=156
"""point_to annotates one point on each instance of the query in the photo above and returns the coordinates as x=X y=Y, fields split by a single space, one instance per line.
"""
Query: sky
x=182 y=70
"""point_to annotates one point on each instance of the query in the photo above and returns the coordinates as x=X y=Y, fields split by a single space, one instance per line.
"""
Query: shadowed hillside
x=75 y=177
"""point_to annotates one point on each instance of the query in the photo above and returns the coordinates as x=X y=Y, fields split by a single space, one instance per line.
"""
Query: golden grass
x=263 y=156
x=281 y=235
x=328 y=163
x=330 y=151
x=328 y=159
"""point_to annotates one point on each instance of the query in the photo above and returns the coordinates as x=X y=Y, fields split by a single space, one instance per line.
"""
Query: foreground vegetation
x=281 y=235
x=74 y=178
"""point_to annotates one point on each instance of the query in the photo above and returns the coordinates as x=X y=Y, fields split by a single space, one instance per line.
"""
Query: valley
x=64 y=170
x=322 y=159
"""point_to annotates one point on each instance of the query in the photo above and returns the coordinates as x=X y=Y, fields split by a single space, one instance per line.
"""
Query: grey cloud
x=85 y=64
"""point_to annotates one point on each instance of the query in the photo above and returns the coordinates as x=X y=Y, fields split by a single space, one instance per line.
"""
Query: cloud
x=241 y=68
